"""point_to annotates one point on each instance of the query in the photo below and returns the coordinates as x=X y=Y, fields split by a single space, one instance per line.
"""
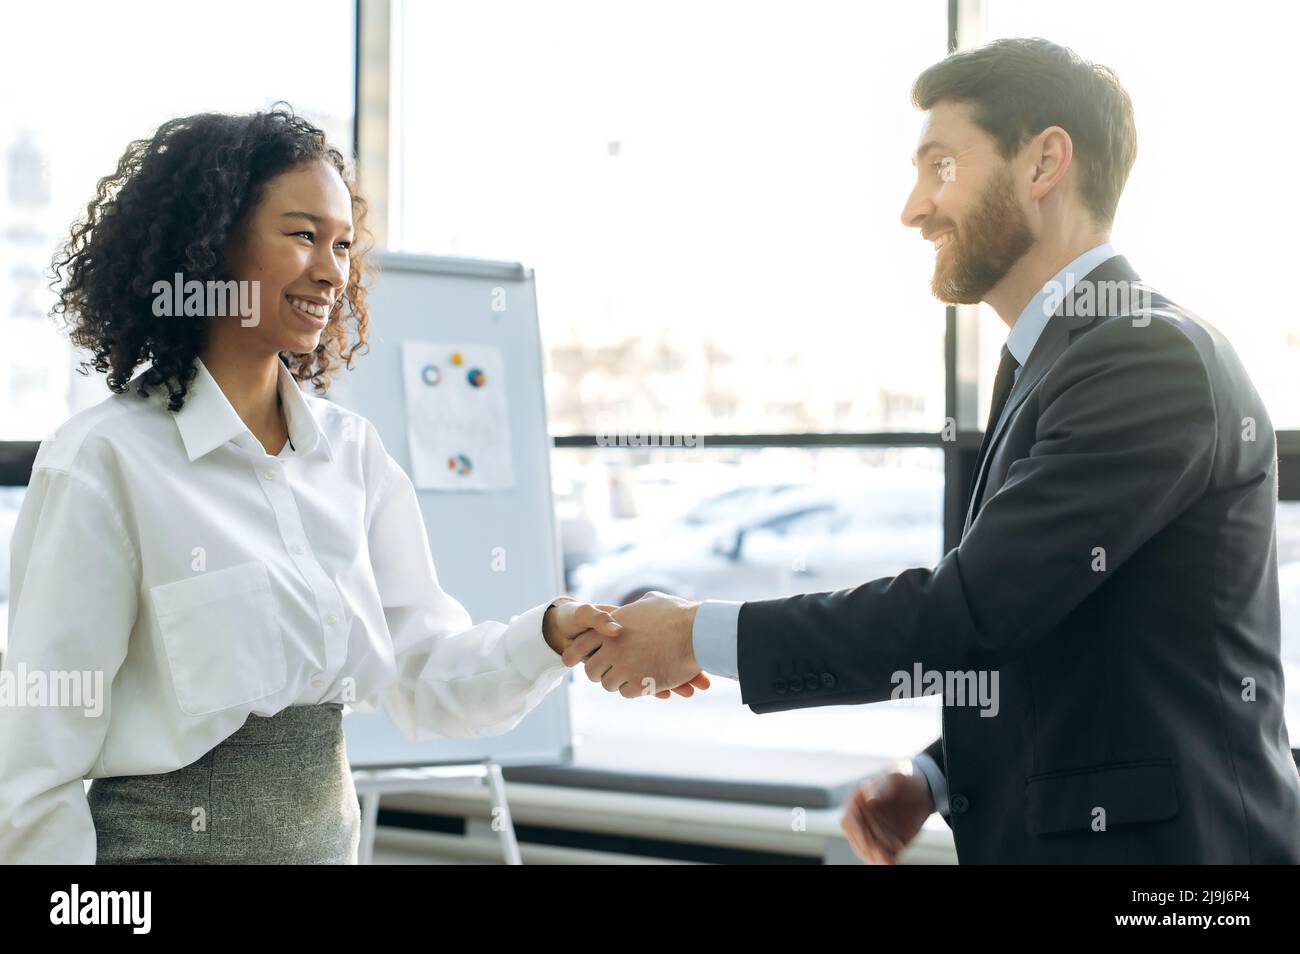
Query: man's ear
x=1052 y=153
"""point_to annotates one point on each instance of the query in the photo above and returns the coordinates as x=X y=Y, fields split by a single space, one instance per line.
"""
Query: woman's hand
x=568 y=619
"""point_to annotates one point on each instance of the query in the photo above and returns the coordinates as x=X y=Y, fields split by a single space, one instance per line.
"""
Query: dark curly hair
x=173 y=205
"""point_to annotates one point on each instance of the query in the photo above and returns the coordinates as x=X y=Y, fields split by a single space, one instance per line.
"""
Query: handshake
x=641 y=649
x=646 y=648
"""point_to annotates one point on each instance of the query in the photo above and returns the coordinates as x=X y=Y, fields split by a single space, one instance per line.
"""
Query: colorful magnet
x=457 y=358
x=476 y=378
x=431 y=375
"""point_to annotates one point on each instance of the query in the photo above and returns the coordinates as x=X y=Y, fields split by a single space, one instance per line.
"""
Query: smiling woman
x=212 y=197
x=235 y=560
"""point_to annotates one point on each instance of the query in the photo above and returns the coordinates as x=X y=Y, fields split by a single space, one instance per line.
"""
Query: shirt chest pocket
x=222 y=637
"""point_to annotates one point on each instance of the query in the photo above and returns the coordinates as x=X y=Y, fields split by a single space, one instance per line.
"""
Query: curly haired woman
x=211 y=563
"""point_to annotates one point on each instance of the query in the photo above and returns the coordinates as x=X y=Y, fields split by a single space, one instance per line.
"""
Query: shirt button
x=269 y=473
x=331 y=619
x=317 y=683
x=959 y=804
x=296 y=548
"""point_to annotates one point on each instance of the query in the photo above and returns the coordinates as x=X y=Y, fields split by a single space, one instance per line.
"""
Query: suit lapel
x=1056 y=336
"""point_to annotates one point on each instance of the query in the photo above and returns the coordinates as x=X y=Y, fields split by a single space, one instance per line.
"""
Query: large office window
x=710 y=195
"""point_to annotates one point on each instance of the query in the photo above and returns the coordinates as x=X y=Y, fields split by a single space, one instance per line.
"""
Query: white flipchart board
x=437 y=299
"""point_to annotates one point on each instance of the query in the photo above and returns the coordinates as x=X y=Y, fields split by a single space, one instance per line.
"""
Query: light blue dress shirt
x=1033 y=319
x=717 y=621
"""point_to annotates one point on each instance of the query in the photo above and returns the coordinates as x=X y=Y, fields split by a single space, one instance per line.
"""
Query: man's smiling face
x=965 y=200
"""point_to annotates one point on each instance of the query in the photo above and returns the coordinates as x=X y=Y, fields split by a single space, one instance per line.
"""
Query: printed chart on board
x=457 y=424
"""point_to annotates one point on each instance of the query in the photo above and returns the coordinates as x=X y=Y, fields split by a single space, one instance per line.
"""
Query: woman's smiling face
x=297 y=245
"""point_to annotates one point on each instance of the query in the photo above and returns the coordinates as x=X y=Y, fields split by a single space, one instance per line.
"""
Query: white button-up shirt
x=200 y=579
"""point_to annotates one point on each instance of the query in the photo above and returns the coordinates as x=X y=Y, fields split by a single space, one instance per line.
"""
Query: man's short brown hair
x=1022 y=85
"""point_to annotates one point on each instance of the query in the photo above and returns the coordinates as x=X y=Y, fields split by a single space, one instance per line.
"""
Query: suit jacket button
x=811 y=682
x=796 y=684
x=958 y=803
x=828 y=680
x=779 y=687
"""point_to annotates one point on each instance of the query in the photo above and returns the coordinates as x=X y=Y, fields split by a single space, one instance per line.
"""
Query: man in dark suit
x=1118 y=568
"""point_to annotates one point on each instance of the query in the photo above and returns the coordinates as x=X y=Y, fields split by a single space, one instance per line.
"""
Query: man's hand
x=653 y=650
x=885 y=812
x=569 y=622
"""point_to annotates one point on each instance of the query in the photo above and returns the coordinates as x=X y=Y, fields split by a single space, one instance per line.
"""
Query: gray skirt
x=278 y=791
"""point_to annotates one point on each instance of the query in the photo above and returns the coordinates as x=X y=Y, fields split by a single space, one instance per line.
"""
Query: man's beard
x=993 y=238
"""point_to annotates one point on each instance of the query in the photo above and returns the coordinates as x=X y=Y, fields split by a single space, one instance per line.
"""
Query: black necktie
x=1006 y=377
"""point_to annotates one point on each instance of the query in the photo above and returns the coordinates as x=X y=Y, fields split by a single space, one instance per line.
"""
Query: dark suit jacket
x=1148 y=687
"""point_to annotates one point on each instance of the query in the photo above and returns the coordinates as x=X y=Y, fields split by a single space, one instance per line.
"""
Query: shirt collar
x=207 y=420
x=1029 y=326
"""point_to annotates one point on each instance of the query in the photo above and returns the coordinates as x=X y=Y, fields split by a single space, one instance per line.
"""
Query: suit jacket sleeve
x=1125 y=441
